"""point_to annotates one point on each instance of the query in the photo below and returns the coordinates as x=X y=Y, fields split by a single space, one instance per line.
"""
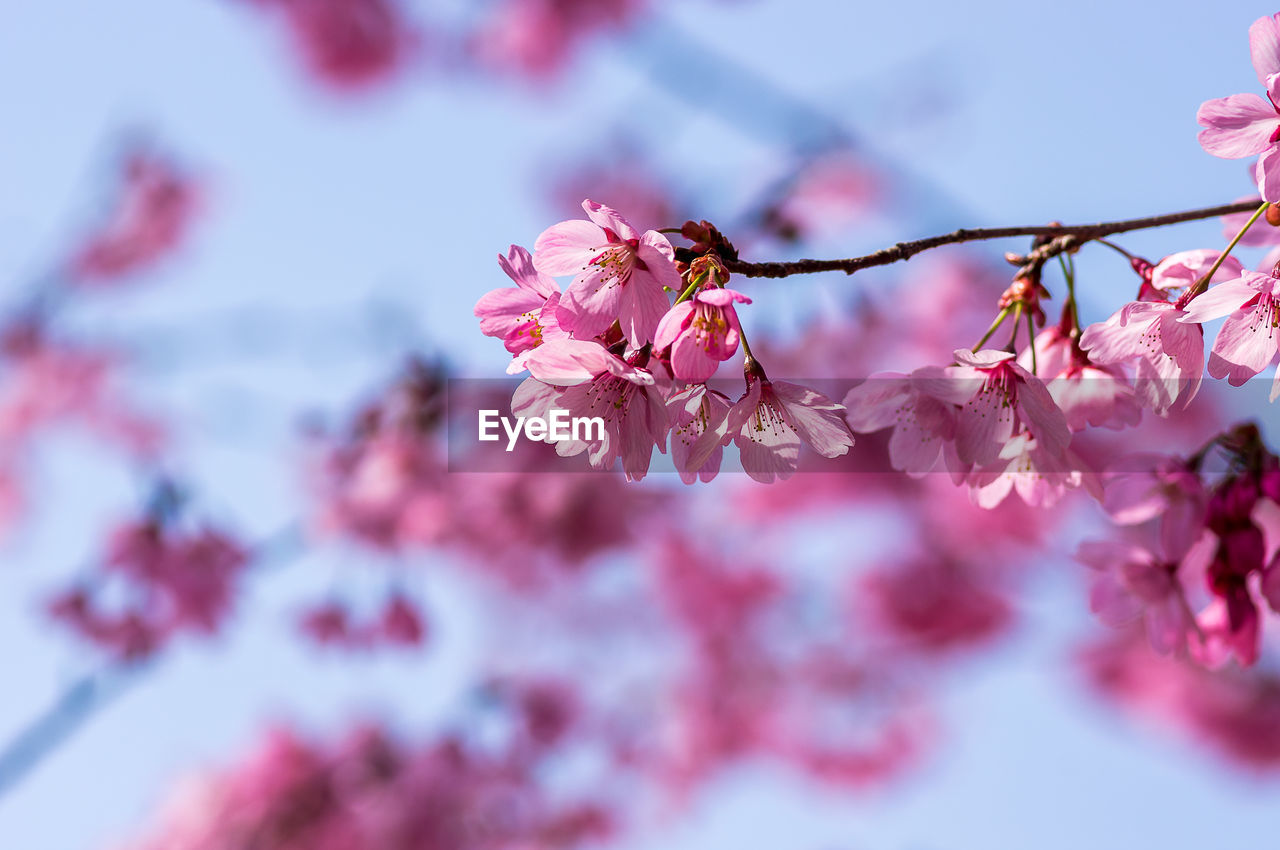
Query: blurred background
x=238 y=237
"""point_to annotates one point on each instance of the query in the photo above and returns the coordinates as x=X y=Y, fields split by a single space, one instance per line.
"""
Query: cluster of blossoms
x=612 y=345
x=1196 y=543
x=149 y=218
x=397 y=623
x=1017 y=419
x=386 y=483
x=370 y=791
x=157 y=580
x=353 y=45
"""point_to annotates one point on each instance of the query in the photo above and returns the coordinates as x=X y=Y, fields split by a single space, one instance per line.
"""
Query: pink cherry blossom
x=1244 y=124
x=998 y=400
x=1250 y=337
x=1229 y=626
x=1142 y=488
x=176 y=581
x=932 y=605
x=1165 y=355
x=693 y=411
x=586 y=380
x=1133 y=582
x=702 y=332
x=537 y=37
x=151 y=217
x=523 y=316
x=1185 y=268
x=770 y=422
x=1089 y=395
x=619 y=274
x=348 y=44
x=1039 y=476
x=922 y=424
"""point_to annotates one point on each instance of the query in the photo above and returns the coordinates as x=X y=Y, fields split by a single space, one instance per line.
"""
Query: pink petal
x=984 y=359
x=720 y=297
x=606 y=217
x=566 y=362
x=658 y=257
x=1264 y=47
x=817 y=419
x=874 y=404
x=518 y=264
x=1267 y=173
x=568 y=247
x=690 y=361
x=641 y=304
x=1220 y=300
x=1237 y=126
x=672 y=324
x=1244 y=347
x=1186 y=267
x=1042 y=415
x=591 y=304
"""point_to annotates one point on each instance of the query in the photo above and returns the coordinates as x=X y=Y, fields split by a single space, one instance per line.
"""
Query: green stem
x=1069 y=274
x=1203 y=283
x=995 y=326
x=689 y=290
x=1012 y=347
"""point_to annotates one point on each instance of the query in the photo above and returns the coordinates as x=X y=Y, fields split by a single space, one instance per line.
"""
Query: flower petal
x=1237 y=126
x=1264 y=47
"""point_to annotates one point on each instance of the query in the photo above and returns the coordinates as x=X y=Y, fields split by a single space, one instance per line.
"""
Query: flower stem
x=1203 y=283
x=995 y=326
x=1031 y=341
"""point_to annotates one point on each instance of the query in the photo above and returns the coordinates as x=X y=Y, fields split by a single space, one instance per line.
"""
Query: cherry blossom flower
x=1133 y=582
x=693 y=411
x=1089 y=395
x=150 y=218
x=1244 y=124
x=1142 y=488
x=368 y=791
x=1166 y=355
x=399 y=623
x=536 y=37
x=998 y=399
x=702 y=332
x=770 y=422
x=348 y=44
x=1250 y=337
x=922 y=424
x=1181 y=270
x=178 y=582
x=620 y=274
x=523 y=316
x=932 y=604
x=1039 y=476
x=586 y=380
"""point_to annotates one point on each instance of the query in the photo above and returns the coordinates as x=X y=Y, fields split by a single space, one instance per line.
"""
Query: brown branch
x=1078 y=233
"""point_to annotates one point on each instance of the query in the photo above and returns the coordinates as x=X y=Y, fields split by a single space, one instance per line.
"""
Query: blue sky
x=1003 y=112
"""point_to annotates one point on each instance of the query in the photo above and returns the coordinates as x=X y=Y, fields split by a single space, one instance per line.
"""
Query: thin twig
x=1078 y=233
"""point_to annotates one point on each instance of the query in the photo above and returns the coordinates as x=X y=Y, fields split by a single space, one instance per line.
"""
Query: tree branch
x=1079 y=233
